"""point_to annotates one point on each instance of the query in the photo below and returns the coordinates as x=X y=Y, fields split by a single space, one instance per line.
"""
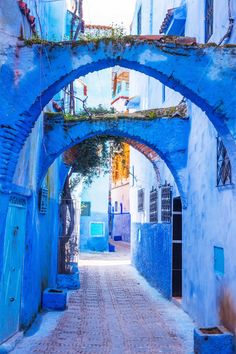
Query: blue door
x=10 y=291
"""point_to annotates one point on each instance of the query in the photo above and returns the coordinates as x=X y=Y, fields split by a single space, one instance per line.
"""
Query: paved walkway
x=114 y=312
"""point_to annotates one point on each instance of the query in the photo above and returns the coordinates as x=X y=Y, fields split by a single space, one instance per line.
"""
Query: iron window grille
x=139 y=21
x=153 y=208
x=43 y=200
x=140 y=199
x=224 y=171
x=17 y=201
x=166 y=204
x=209 y=12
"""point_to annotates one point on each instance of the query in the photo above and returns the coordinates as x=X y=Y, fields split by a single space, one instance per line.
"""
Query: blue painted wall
x=41 y=247
x=121 y=226
x=89 y=243
x=151 y=250
x=97 y=195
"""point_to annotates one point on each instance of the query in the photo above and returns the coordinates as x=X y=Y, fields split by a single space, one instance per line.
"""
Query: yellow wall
x=120 y=166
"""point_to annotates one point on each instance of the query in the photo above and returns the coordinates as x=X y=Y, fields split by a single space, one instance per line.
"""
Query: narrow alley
x=114 y=312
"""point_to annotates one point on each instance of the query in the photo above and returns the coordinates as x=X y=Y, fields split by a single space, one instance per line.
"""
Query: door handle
x=11 y=299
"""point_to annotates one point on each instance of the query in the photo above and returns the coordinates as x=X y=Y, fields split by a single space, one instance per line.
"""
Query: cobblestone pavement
x=114 y=312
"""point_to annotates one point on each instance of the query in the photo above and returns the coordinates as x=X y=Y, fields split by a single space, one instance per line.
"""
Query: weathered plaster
x=63 y=62
x=152 y=254
x=168 y=137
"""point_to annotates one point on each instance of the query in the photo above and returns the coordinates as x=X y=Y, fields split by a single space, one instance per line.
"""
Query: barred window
x=166 y=203
x=139 y=21
x=153 y=205
x=224 y=171
x=43 y=200
x=209 y=9
x=140 y=199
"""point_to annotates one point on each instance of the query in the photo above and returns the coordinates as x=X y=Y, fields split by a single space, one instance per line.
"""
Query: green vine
x=91 y=158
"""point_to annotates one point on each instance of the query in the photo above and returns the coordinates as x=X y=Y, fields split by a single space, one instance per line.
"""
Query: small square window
x=97 y=229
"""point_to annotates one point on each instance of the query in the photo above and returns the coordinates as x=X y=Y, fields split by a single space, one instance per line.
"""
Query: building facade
x=208 y=227
x=120 y=198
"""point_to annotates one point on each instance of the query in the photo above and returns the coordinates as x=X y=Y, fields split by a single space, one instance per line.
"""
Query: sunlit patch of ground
x=118 y=258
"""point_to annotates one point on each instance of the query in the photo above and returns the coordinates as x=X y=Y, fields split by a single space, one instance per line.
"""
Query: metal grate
x=166 y=204
x=153 y=205
x=140 y=199
x=43 y=200
x=224 y=171
x=209 y=11
x=17 y=201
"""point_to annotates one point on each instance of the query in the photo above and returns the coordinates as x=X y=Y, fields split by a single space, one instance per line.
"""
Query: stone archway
x=32 y=73
x=166 y=136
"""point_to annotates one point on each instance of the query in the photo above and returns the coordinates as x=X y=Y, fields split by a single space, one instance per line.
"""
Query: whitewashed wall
x=144 y=176
x=209 y=219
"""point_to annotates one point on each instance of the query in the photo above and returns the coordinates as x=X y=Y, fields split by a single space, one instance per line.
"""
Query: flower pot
x=68 y=281
x=54 y=299
x=217 y=340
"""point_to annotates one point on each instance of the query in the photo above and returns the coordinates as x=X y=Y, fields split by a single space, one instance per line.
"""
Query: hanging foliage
x=88 y=160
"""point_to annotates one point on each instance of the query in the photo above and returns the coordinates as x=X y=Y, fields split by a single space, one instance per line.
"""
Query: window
x=153 y=205
x=140 y=199
x=118 y=87
x=163 y=93
x=43 y=200
x=166 y=203
x=139 y=21
x=209 y=9
x=97 y=229
x=116 y=206
x=219 y=260
x=224 y=172
x=85 y=209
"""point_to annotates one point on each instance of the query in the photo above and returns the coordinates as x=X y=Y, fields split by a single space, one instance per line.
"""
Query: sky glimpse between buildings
x=106 y=12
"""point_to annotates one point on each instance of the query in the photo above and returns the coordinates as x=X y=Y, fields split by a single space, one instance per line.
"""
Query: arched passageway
x=168 y=137
x=148 y=235
x=54 y=65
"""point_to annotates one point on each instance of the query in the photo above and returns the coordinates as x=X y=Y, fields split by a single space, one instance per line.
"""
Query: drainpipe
x=231 y=25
